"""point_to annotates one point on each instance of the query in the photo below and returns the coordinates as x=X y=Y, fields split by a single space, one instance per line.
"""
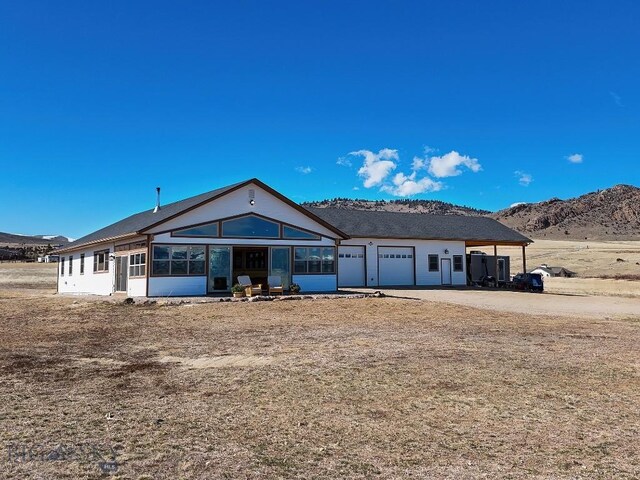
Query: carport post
x=524 y=259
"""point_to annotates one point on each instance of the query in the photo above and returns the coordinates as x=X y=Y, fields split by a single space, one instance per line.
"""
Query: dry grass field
x=349 y=388
x=587 y=258
x=598 y=265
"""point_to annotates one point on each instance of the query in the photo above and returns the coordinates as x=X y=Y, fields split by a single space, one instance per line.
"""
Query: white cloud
x=524 y=179
x=356 y=188
x=418 y=163
x=517 y=204
x=405 y=186
x=616 y=99
x=304 y=170
x=377 y=166
x=448 y=164
x=344 y=162
x=575 y=158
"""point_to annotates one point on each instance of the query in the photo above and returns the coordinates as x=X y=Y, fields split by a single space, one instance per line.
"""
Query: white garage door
x=395 y=265
x=351 y=272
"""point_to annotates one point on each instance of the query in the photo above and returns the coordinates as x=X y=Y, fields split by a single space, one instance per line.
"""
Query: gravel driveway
x=589 y=306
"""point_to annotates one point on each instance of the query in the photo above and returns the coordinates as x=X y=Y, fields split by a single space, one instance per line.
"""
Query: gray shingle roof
x=366 y=223
x=355 y=223
x=142 y=220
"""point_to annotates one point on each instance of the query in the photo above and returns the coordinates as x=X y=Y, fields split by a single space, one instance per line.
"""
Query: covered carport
x=472 y=245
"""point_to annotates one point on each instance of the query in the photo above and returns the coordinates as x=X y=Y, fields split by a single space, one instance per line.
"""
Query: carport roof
x=380 y=224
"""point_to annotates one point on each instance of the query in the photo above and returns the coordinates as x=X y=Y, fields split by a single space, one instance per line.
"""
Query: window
x=70 y=265
x=137 y=264
x=208 y=230
x=434 y=263
x=297 y=234
x=457 y=263
x=250 y=226
x=314 y=260
x=101 y=261
x=82 y=264
x=178 y=260
x=62 y=266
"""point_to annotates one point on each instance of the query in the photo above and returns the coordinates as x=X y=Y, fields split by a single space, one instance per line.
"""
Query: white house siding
x=237 y=203
x=423 y=248
x=137 y=287
x=89 y=282
x=316 y=283
x=177 y=286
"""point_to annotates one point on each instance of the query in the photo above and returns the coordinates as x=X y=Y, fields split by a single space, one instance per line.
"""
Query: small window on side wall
x=101 y=261
x=82 y=264
x=434 y=263
x=457 y=263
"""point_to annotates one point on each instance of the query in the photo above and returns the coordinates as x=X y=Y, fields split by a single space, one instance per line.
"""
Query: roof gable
x=143 y=222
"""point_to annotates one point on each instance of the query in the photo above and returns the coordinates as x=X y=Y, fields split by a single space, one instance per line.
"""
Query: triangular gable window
x=207 y=230
x=250 y=226
x=297 y=234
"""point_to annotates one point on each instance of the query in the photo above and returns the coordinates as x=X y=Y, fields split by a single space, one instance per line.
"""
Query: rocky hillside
x=611 y=214
x=413 y=206
x=16 y=240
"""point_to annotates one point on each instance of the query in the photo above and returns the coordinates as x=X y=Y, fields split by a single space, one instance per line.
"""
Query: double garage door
x=395 y=266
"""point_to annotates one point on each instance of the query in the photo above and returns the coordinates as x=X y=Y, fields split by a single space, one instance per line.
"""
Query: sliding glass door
x=280 y=264
x=219 y=269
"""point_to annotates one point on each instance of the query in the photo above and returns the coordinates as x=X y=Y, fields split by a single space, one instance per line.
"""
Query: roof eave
x=96 y=242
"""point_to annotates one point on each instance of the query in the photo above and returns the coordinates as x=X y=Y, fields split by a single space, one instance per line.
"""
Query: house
x=200 y=245
x=547 y=271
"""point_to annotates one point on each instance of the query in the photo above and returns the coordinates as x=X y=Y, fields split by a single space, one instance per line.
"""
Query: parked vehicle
x=531 y=282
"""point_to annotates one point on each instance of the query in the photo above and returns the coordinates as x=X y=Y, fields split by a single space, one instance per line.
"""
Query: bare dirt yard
x=348 y=388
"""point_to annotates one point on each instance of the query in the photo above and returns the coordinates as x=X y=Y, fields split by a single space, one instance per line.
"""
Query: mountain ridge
x=609 y=214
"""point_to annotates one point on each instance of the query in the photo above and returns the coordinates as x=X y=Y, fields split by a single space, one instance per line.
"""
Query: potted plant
x=294 y=288
x=237 y=290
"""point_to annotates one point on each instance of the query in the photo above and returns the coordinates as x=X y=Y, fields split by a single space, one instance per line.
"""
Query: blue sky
x=477 y=103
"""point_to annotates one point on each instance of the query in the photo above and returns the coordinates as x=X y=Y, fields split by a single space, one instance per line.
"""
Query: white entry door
x=395 y=266
x=351 y=267
x=445 y=268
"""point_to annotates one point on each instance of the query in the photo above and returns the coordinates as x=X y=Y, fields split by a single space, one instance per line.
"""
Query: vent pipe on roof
x=155 y=210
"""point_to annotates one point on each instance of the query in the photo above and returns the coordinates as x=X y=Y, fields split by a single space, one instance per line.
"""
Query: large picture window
x=178 y=260
x=137 y=264
x=101 y=261
x=297 y=234
x=314 y=260
x=250 y=226
x=208 y=230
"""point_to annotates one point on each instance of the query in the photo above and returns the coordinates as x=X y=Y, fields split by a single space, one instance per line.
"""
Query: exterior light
x=446 y=251
x=252 y=202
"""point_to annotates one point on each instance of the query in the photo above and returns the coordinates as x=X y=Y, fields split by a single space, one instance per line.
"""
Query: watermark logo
x=104 y=456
